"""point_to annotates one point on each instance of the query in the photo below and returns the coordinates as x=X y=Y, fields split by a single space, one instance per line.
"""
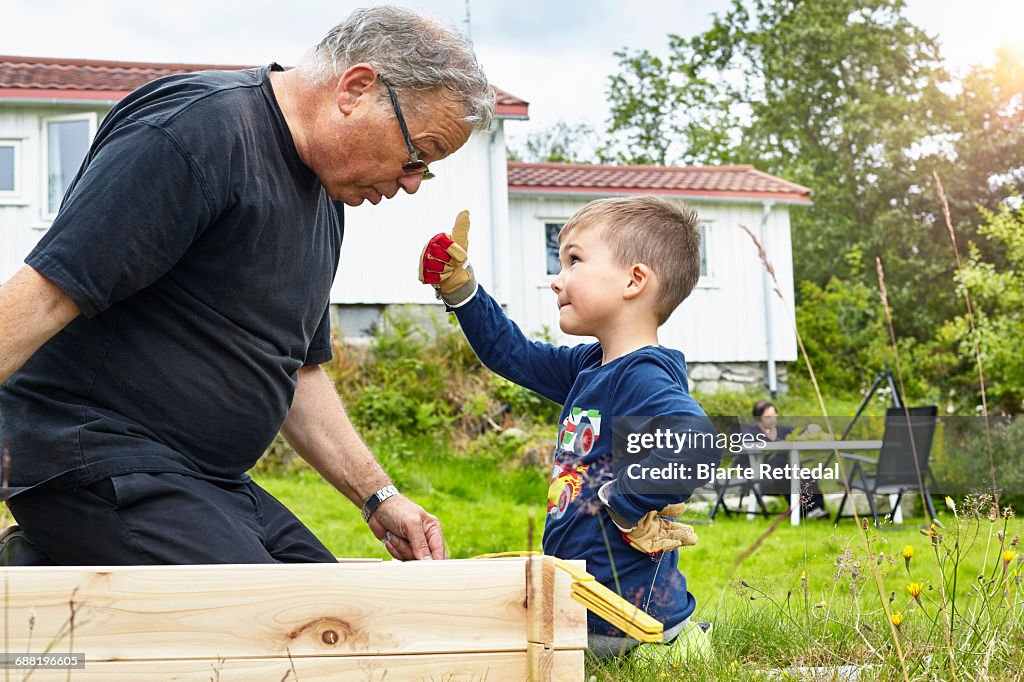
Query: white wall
x=380 y=256
x=22 y=221
x=382 y=243
x=723 y=320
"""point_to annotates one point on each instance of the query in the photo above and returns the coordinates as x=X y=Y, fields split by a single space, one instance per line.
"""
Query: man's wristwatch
x=376 y=499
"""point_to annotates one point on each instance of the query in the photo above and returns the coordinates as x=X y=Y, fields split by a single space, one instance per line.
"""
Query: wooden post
x=540 y=617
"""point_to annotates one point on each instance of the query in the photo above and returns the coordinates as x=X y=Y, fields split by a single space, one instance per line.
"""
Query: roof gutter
x=58 y=102
x=696 y=198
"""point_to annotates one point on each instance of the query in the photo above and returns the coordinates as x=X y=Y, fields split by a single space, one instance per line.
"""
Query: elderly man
x=173 y=318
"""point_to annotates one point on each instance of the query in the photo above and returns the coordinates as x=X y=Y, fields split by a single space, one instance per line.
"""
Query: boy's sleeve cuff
x=620 y=512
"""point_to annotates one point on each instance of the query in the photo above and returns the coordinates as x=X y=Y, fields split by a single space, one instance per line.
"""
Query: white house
x=733 y=329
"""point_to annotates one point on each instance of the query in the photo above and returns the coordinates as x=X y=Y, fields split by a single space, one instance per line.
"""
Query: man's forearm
x=32 y=310
x=319 y=430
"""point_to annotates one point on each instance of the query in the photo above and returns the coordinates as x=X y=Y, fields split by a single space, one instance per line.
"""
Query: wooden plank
x=540 y=600
x=565 y=666
x=540 y=663
x=230 y=611
x=540 y=607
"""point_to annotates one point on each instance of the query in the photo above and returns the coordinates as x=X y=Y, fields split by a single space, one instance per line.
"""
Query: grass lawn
x=789 y=599
x=803 y=596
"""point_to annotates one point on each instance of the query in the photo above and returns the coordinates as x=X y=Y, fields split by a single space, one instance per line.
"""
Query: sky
x=556 y=54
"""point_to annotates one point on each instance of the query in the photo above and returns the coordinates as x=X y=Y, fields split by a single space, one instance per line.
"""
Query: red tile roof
x=725 y=182
x=93 y=79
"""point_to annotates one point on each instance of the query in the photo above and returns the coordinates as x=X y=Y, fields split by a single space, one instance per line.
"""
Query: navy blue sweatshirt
x=649 y=382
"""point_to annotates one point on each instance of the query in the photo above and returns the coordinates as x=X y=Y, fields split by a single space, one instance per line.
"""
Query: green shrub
x=420 y=376
x=963 y=463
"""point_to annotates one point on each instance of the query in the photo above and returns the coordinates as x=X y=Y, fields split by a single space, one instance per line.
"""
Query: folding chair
x=907 y=439
x=746 y=487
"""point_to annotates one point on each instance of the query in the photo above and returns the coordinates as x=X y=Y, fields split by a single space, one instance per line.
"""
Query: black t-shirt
x=201 y=252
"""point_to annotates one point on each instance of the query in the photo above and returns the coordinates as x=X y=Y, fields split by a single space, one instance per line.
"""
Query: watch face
x=376 y=499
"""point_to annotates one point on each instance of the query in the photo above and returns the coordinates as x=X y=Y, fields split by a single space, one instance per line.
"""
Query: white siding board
x=22 y=224
x=380 y=256
x=723 y=320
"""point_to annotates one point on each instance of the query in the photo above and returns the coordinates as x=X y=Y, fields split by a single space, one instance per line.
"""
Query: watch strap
x=375 y=500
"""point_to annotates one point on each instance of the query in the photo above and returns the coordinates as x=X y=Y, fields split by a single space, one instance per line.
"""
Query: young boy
x=626 y=263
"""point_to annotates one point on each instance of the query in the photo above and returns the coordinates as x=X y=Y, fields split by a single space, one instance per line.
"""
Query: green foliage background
x=851 y=99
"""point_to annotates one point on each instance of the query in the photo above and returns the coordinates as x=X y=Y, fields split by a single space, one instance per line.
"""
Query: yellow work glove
x=654 y=533
x=444 y=264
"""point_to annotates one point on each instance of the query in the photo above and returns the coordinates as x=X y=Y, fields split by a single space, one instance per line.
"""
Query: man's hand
x=654 y=533
x=444 y=264
x=407 y=530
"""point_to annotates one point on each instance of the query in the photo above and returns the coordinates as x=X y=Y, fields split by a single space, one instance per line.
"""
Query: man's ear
x=640 y=276
x=356 y=81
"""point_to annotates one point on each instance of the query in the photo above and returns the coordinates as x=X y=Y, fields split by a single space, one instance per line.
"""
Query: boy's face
x=590 y=284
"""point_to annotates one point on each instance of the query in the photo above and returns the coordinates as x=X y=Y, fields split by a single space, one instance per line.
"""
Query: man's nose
x=410 y=182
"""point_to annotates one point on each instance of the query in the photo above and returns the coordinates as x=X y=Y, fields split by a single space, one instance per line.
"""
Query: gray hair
x=413 y=52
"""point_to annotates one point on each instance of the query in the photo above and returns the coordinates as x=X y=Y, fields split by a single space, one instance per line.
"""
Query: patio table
x=794 y=448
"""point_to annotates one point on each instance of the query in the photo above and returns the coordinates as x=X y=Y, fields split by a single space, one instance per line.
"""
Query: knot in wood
x=329 y=637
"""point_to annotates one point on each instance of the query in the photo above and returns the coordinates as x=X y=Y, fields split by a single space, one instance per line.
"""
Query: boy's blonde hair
x=662 y=234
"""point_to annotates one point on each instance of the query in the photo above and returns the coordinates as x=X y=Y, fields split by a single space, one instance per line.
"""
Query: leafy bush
x=963 y=465
x=420 y=376
x=997 y=296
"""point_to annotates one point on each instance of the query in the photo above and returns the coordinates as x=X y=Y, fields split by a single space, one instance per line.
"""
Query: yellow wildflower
x=915 y=591
x=908 y=554
x=950 y=503
x=1008 y=556
x=897 y=618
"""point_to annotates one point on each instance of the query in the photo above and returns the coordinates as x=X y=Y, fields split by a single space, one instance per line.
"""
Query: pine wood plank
x=230 y=611
x=540 y=600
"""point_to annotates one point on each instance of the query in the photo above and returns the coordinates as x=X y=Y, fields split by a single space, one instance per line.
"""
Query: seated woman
x=812 y=502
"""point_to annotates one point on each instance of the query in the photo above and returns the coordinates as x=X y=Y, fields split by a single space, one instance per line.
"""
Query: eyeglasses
x=414 y=165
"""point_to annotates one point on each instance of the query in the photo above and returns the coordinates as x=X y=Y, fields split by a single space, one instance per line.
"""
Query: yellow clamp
x=599 y=599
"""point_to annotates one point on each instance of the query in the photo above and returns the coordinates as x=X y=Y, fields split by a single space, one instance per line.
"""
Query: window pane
x=703 y=250
x=551 y=231
x=67 y=143
x=6 y=168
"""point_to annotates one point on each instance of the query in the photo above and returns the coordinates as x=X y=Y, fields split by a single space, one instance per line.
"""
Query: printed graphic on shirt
x=576 y=437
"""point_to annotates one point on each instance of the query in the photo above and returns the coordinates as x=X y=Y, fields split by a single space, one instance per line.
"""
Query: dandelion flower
x=1008 y=556
x=915 y=591
x=950 y=503
x=908 y=554
x=897 y=618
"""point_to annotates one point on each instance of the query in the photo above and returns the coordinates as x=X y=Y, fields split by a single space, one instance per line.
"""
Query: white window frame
x=44 y=164
x=13 y=196
x=544 y=222
x=707 y=280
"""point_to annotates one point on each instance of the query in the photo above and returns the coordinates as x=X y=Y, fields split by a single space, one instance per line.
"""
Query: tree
x=849 y=98
x=997 y=296
x=826 y=94
x=561 y=143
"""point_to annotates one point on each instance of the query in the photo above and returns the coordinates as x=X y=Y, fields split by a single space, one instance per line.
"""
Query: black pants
x=163 y=518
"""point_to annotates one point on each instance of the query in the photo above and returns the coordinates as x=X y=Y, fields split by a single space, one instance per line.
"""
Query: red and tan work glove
x=654 y=533
x=444 y=264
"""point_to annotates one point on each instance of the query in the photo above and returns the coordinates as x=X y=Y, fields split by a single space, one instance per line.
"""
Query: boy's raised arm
x=498 y=342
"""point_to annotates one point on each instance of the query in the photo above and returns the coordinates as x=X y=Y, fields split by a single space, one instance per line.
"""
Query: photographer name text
x=703 y=471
